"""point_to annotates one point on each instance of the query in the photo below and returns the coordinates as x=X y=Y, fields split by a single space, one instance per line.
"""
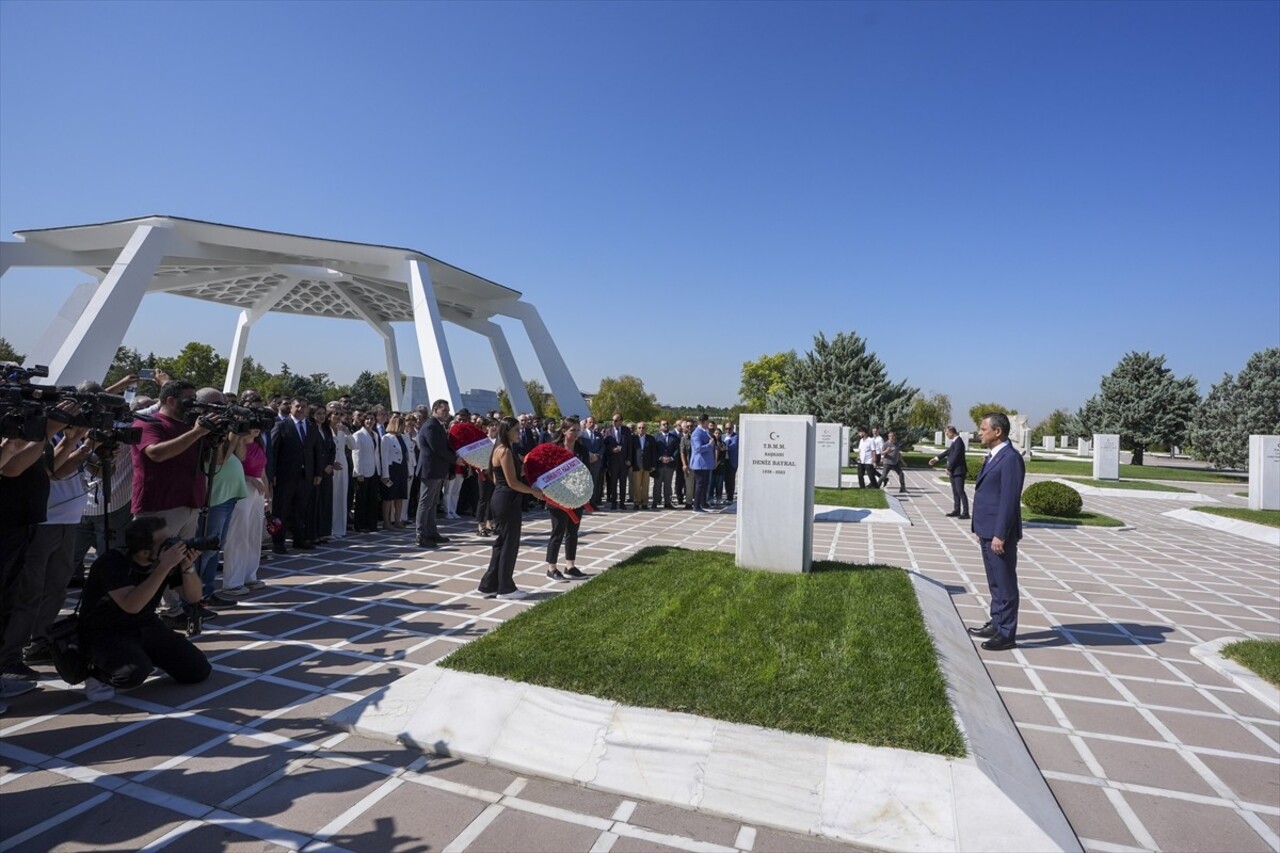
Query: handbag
x=66 y=649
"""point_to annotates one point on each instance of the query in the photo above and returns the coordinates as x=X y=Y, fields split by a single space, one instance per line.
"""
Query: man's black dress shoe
x=952 y=514
x=440 y=540
x=987 y=630
x=304 y=546
x=1000 y=644
x=964 y=515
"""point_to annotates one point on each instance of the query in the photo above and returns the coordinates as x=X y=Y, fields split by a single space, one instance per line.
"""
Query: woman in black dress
x=321 y=524
x=505 y=510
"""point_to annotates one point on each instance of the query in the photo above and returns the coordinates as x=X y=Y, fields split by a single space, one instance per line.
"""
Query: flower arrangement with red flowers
x=471 y=444
x=565 y=482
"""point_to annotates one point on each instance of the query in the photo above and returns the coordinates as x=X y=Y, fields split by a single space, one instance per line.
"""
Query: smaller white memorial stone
x=1047 y=442
x=775 y=492
x=827 y=460
x=938 y=438
x=1064 y=441
x=1264 y=472
x=846 y=438
x=1106 y=457
x=1084 y=447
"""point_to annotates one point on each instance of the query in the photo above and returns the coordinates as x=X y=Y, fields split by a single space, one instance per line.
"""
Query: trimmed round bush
x=1052 y=499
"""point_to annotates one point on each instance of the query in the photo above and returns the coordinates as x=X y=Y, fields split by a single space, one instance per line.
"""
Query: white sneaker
x=96 y=691
x=514 y=596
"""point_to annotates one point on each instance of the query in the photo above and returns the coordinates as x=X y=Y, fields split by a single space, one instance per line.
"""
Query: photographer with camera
x=167 y=479
x=121 y=634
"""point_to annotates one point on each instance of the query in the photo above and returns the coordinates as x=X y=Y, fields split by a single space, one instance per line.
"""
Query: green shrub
x=1052 y=499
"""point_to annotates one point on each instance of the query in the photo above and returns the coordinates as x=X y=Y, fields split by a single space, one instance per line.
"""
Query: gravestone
x=1084 y=447
x=938 y=438
x=846 y=438
x=826 y=454
x=1047 y=442
x=775 y=492
x=1064 y=441
x=1264 y=472
x=1106 y=457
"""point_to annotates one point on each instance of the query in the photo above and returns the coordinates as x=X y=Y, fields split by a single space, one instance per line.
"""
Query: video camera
x=222 y=419
x=26 y=409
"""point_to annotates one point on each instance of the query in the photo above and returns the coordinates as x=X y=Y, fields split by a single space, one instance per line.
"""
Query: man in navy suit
x=997 y=522
x=617 y=455
x=435 y=458
x=958 y=469
x=295 y=446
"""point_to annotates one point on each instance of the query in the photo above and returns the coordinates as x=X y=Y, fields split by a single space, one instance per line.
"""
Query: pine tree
x=839 y=381
x=1142 y=402
x=1236 y=408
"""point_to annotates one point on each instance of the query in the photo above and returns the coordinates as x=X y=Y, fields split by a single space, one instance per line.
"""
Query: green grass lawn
x=859 y=498
x=1261 y=656
x=840 y=653
x=1269 y=517
x=1084 y=519
x=1135 y=485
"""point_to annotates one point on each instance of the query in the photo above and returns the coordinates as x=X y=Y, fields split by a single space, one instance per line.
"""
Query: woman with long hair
x=321 y=526
x=242 y=552
x=395 y=472
x=564 y=527
x=484 y=518
x=343 y=442
x=508 y=486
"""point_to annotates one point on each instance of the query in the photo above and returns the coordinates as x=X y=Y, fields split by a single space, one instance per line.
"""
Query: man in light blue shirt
x=702 y=460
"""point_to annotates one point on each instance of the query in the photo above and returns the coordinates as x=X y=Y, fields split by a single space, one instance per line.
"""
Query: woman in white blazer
x=364 y=458
x=395 y=472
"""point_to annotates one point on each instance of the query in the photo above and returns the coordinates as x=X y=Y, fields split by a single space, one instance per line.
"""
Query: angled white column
x=507 y=369
x=60 y=327
x=99 y=330
x=394 y=380
x=566 y=392
x=249 y=316
x=437 y=364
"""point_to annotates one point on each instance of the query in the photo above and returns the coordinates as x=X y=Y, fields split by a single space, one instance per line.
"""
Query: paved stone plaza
x=1144 y=746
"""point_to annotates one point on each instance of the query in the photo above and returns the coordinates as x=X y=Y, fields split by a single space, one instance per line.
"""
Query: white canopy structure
x=261 y=271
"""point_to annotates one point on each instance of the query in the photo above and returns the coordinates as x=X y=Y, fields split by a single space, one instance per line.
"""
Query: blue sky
x=1003 y=199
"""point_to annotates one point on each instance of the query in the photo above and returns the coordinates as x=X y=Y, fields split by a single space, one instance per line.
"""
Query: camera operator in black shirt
x=121 y=634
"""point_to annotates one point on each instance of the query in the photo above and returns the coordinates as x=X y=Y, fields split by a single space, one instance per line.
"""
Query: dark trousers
x=869 y=471
x=563 y=529
x=663 y=485
x=730 y=483
x=505 y=510
x=1002 y=580
x=92 y=533
x=701 y=482
x=39 y=588
x=415 y=490
x=292 y=499
x=902 y=481
x=958 y=496
x=123 y=657
x=322 y=510
x=617 y=477
x=483 y=513
x=679 y=479
x=368 y=504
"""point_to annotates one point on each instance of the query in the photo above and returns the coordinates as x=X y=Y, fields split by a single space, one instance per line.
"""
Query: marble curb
x=1140 y=494
x=1234 y=526
x=1053 y=525
x=889 y=799
x=893 y=515
x=1243 y=677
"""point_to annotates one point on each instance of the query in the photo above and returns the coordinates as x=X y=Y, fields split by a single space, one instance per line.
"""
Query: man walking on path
x=957 y=469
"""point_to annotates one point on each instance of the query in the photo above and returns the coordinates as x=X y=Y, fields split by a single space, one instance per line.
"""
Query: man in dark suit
x=435 y=457
x=668 y=441
x=295 y=448
x=593 y=441
x=617 y=465
x=997 y=522
x=958 y=469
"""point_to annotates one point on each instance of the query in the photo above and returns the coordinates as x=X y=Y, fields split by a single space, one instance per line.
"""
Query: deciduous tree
x=625 y=395
x=976 y=412
x=764 y=377
x=930 y=414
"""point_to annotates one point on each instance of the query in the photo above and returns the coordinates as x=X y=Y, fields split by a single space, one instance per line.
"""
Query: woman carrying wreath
x=505 y=510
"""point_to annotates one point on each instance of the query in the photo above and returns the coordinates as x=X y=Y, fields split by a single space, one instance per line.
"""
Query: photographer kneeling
x=121 y=634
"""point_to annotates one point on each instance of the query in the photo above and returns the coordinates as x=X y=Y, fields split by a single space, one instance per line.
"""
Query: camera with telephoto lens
x=195 y=543
x=24 y=408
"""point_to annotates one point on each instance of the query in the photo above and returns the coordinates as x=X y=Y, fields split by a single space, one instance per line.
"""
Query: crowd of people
x=207 y=480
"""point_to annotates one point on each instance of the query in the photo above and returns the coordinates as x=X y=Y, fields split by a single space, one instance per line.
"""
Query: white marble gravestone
x=1084 y=447
x=1064 y=441
x=846 y=439
x=938 y=438
x=1106 y=457
x=1047 y=443
x=826 y=455
x=1264 y=472
x=775 y=492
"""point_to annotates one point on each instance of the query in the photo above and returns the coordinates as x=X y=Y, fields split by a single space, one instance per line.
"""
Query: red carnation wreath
x=565 y=482
x=471 y=444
